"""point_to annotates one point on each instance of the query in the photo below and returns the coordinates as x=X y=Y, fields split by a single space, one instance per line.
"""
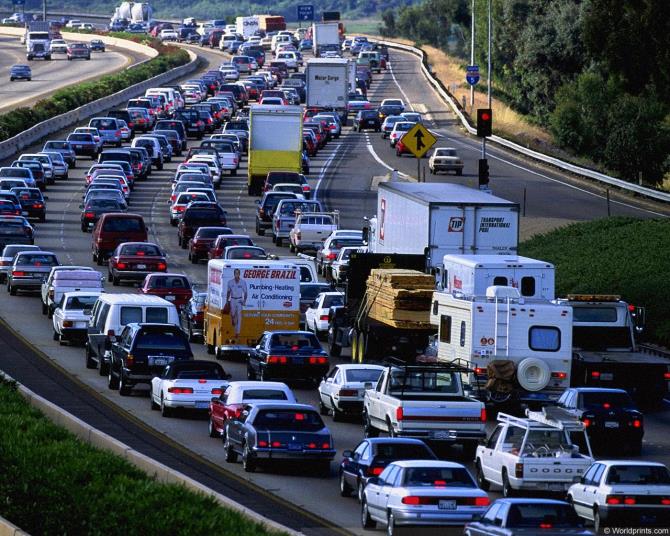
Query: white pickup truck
x=424 y=401
x=311 y=229
x=64 y=279
x=538 y=453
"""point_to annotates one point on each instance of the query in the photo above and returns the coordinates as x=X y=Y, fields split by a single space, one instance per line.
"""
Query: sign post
x=305 y=13
x=418 y=141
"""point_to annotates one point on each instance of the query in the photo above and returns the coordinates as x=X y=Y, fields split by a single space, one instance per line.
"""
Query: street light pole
x=472 y=53
x=488 y=69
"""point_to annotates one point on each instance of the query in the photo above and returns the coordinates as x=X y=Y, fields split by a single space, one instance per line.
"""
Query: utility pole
x=483 y=162
x=44 y=10
x=472 y=53
x=488 y=69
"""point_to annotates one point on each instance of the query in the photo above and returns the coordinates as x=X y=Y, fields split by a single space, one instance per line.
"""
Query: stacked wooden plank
x=400 y=298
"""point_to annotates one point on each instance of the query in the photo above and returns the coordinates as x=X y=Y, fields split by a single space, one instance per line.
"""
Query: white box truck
x=275 y=142
x=325 y=36
x=246 y=298
x=247 y=26
x=516 y=347
x=437 y=219
x=328 y=84
x=352 y=76
x=473 y=274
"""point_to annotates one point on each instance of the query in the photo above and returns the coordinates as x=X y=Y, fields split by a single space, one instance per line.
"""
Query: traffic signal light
x=484 y=122
x=483 y=172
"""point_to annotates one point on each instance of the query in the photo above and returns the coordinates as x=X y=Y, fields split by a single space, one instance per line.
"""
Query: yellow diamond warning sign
x=418 y=140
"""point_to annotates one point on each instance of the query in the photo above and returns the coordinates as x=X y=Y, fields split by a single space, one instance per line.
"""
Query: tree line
x=596 y=73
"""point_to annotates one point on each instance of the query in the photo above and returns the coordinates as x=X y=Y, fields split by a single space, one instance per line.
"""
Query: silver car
x=7 y=257
x=29 y=269
x=60 y=166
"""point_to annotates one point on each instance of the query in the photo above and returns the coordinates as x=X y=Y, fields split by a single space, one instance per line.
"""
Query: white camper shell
x=473 y=274
x=503 y=328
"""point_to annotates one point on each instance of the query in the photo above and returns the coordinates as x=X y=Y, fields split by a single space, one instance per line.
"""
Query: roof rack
x=437 y=365
x=549 y=416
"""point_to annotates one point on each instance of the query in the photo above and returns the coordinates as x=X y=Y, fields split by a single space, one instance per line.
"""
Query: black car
x=191 y=316
x=84 y=144
x=389 y=109
x=266 y=208
x=194 y=125
x=94 y=208
x=610 y=416
x=287 y=355
x=367 y=120
x=268 y=433
x=199 y=214
x=173 y=124
x=308 y=293
x=128 y=117
x=32 y=203
x=371 y=457
x=16 y=230
x=173 y=138
x=142 y=351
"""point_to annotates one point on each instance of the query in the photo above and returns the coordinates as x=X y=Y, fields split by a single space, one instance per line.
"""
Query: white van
x=112 y=312
x=280 y=40
x=226 y=39
x=169 y=94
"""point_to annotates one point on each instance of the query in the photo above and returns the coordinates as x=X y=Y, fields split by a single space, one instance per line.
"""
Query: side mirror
x=346 y=454
x=329 y=380
x=373 y=480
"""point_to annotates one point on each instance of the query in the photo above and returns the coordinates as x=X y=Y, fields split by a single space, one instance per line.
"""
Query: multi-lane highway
x=48 y=76
x=341 y=176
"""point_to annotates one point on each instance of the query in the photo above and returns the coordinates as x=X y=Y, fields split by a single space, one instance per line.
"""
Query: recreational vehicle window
x=445 y=329
x=500 y=281
x=528 y=286
x=544 y=339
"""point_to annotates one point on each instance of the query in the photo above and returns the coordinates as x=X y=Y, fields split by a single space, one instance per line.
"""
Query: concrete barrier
x=31 y=135
x=535 y=155
x=151 y=467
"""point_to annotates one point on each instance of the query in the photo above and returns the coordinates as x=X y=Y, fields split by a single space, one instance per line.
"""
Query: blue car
x=20 y=72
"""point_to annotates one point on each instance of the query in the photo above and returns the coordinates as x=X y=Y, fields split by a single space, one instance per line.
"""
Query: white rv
x=527 y=342
x=473 y=274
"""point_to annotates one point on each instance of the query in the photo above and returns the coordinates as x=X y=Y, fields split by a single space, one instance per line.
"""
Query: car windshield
x=155 y=340
x=79 y=303
x=402 y=451
x=438 y=477
x=167 y=281
x=264 y=394
x=289 y=419
x=362 y=375
x=638 y=475
x=37 y=260
x=598 y=400
x=294 y=342
x=200 y=371
x=140 y=250
x=537 y=515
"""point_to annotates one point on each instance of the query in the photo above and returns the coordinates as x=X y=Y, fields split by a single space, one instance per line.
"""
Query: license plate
x=611 y=424
x=369 y=122
x=201 y=405
x=607 y=376
x=78 y=146
x=294 y=446
x=170 y=298
x=141 y=266
x=446 y=505
x=160 y=362
x=297 y=360
x=440 y=434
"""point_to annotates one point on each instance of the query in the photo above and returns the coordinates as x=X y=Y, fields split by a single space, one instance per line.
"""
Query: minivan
x=114 y=228
x=112 y=312
x=109 y=128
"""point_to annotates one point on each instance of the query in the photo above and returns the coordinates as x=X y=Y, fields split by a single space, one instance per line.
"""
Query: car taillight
x=629 y=500
x=637 y=423
x=482 y=415
x=546 y=525
x=262 y=444
x=348 y=392
x=482 y=501
x=180 y=208
x=613 y=499
x=117 y=133
x=318 y=360
x=595 y=374
x=180 y=390
x=121 y=265
x=587 y=423
x=38 y=205
x=399 y=414
x=375 y=471
x=173 y=197
x=18 y=273
x=666 y=375
x=67 y=323
x=559 y=375
x=331 y=256
x=323 y=317
x=480 y=370
x=277 y=360
x=130 y=360
x=217 y=391
x=162 y=266
x=415 y=500
x=518 y=470
x=665 y=501
x=305 y=188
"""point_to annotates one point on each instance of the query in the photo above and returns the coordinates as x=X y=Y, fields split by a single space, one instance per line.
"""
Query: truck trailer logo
x=456 y=224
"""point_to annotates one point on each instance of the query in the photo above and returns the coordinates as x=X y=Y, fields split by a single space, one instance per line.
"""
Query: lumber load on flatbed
x=400 y=298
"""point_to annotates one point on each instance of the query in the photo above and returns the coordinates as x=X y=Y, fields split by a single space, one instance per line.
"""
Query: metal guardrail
x=556 y=162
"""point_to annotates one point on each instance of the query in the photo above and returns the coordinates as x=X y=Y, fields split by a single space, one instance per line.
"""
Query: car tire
x=90 y=363
x=165 y=411
x=45 y=309
x=109 y=277
x=55 y=336
x=390 y=430
x=248 y=462
x=481 y=480
x=345 y=489
x=368 y=429
x=338 y=416
x=279 y=242
x=115 y=281
x=598 y=523
x=213 y=432
x=233 y=172
x=112 y=381
x=335 y=350
x=507 y=489
x=366 y=521
x=194 y=259
x=391 y=528
x=124 y=388
x=231 y=455
x=251 y=375
x=12 y=290
x=173 y=222
x=154 y=406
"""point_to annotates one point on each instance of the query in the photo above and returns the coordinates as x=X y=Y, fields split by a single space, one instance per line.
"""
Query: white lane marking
x=395 y=80
x=324 y=170
x=379 y=160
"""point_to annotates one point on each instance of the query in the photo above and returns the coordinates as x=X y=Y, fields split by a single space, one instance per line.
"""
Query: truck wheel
x=124 y=388
x=112 y=382
x=231 y=455
x=335 y=350
x=481 y=481
x=507 y=489
x=279 y=241
x=368 y=428
x=45 y=309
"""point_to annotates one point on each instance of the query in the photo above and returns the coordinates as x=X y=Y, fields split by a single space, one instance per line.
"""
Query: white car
x=399 y=130
x=188 y=385
x=230 y=75
x=212 y=163
x=240 y=393
x=623 y=493
x=422 y=493
x=445 y=159
x=169 y=35
x=343 y=389
x=288 y=57
x=72 y=314
x=58 y=46
x=316 y=316
x=290 y=187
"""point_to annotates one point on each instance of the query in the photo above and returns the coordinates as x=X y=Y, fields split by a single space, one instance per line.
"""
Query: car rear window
x=37 y=260
x=289 y=419
x=167 y=281
x=263 y=394
x=201 y=371
x=363 y=375
x=294 y=341
x=140 y=250
x=123 y=225
x=79 y=303
x=247 y=253
x=80 y=137
x=310 y=292
x=205 y=232
x=638 y=475
x=103 y=124
x=535 y=515
x=156 y=340
x=332 y=301
x=400 y=451
x=600 y=400
x=202 y=214
x=446 y=477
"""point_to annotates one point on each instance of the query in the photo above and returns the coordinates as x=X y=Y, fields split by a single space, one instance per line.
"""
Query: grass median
x=624 y=256
x=53 y=483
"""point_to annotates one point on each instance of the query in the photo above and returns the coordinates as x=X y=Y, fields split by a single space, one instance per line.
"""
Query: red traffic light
x=486 y=116
x=484 y=122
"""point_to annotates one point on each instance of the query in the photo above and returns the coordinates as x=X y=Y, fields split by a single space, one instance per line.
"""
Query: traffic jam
x=472 y=396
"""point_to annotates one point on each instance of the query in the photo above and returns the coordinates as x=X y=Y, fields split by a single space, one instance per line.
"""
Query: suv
x=142 y=351
x=287 y=177
x=199 y=214
x=192 y=122
x=266 y=207
x=114 y=228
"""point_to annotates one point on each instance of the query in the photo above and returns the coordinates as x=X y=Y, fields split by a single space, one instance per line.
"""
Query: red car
x=203 y=240
x=174 y=288
x=401 y=149
x=132 y=261
x=223 y=241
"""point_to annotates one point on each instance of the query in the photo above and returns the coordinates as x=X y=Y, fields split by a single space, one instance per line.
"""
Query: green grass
x=362 y=26
x=623 y=256
x=53 y=483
